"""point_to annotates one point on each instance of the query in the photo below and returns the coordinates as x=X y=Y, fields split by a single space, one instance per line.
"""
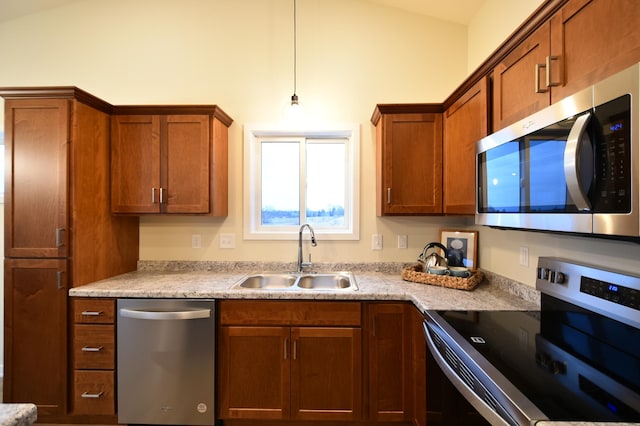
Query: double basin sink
x=298 y=281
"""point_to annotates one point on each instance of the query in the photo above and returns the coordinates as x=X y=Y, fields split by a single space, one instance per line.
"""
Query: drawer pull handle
x=92 y=395
x=91 y=313
x=92 y=348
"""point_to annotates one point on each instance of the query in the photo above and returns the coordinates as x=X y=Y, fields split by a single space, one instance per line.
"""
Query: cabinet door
x=254 y=372
x=410 y=164
x=35 y=293
x=326 y=374
x=135 y=164
x=594 y=39
x=37 y=137
x=465 y=122
x=185 y=170
x=514 y=80
x=419 y=373
x=390 y=372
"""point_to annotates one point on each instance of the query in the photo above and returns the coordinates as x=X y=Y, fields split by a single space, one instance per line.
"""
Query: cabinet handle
x=295 y=349
x=153 y=195
x=537 y=78
x=388 y=195
x=92 y=395
x=548 y=71
x=161 y=195
x=91 y=313
x=59 y=237
x=92 y=348
x=59 y=284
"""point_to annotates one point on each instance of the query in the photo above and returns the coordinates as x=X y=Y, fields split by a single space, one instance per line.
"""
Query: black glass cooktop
x=571 y=363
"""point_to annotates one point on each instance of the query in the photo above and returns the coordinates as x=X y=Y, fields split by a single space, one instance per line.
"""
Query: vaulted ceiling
x=458 y=11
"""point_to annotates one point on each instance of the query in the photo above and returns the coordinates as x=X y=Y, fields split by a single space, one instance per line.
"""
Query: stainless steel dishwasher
x=166 y=361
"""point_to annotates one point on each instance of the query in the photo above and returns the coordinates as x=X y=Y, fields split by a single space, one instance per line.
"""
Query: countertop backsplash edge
x=508 y=285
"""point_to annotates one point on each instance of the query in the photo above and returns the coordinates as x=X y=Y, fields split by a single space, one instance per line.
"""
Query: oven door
x=482 y=385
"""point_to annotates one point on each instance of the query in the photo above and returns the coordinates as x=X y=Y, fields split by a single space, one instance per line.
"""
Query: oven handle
x=572 y=162
x=166 y=315
x=487 y=412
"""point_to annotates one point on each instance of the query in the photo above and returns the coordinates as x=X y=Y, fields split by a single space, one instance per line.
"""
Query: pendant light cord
x=295 y=52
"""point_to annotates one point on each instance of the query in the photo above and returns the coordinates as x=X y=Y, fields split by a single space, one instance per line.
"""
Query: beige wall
x=494 y=22
x=238 y=54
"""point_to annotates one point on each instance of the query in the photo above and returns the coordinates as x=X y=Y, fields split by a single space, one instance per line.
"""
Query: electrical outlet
x=196 y=241
x=524 y=256
x=227 y=241
x=402 y=241
x=376 y=242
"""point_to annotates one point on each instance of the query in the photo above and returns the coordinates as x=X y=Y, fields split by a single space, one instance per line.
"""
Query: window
x=292 y=178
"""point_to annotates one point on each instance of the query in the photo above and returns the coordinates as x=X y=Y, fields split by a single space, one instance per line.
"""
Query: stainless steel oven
x=577 y=359
x=572 y=167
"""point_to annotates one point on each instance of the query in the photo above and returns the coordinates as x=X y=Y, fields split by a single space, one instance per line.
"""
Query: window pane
x=280 y=183
x=326 y=184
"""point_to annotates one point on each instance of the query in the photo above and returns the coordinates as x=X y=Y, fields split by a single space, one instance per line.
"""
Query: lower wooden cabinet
x=93 y=357
x=35 y=330
x=390 y=355
x=298 y=361
x=94 y=392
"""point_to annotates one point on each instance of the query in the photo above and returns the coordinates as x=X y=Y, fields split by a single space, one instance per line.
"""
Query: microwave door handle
x=572 y=163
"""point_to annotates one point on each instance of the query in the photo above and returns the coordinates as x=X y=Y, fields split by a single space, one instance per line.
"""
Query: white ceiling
x=458 y=11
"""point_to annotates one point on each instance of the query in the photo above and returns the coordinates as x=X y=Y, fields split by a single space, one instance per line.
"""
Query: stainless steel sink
x=269 y=281
x=337 y=281
x=325 y=281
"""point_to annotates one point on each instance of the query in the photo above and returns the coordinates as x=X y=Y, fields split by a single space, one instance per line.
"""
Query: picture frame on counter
x=462 y=247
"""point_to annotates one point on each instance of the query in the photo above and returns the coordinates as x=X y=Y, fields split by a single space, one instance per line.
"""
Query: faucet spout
x=301 y=263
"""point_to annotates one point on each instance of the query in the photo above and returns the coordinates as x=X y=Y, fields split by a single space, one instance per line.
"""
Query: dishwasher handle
x=166 y=315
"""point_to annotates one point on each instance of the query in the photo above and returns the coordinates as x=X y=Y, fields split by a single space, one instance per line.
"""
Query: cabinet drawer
x=241 y=312
x=94 y=311
x=93 y=346
x=93 y=392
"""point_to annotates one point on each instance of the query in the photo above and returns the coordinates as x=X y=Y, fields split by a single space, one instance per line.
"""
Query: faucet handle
x=308 y=264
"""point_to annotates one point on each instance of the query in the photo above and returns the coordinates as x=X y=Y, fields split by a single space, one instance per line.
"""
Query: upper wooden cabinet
x=465 y=122
x=169 y=160
x=583 y=42
x=37 y=203
x=408 y=159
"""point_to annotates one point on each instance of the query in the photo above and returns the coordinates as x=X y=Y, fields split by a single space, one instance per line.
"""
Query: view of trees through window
x=303 y=181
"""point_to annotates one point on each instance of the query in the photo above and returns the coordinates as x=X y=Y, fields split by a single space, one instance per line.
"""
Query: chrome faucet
x=301 y=264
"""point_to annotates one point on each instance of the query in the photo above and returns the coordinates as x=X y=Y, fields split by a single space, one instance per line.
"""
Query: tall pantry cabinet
x=59 y=233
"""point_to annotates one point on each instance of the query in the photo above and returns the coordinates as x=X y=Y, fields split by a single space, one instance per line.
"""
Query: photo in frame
x=462 y=247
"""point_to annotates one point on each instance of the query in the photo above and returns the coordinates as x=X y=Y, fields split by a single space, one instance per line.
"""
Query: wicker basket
x=414 y=274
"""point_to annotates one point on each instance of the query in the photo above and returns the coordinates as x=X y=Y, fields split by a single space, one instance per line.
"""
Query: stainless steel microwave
x=571 y=167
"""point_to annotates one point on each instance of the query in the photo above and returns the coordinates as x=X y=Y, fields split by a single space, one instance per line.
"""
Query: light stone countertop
x=18 y=414
x=376 y=281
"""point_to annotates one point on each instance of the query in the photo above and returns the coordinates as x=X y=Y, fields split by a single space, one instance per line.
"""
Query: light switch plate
x=376 y=242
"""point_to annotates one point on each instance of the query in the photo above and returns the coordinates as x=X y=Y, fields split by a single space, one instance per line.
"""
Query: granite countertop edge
x=376 y=281
x=18 y=414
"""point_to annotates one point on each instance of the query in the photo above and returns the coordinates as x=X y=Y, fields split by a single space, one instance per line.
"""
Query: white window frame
x=253 y=134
